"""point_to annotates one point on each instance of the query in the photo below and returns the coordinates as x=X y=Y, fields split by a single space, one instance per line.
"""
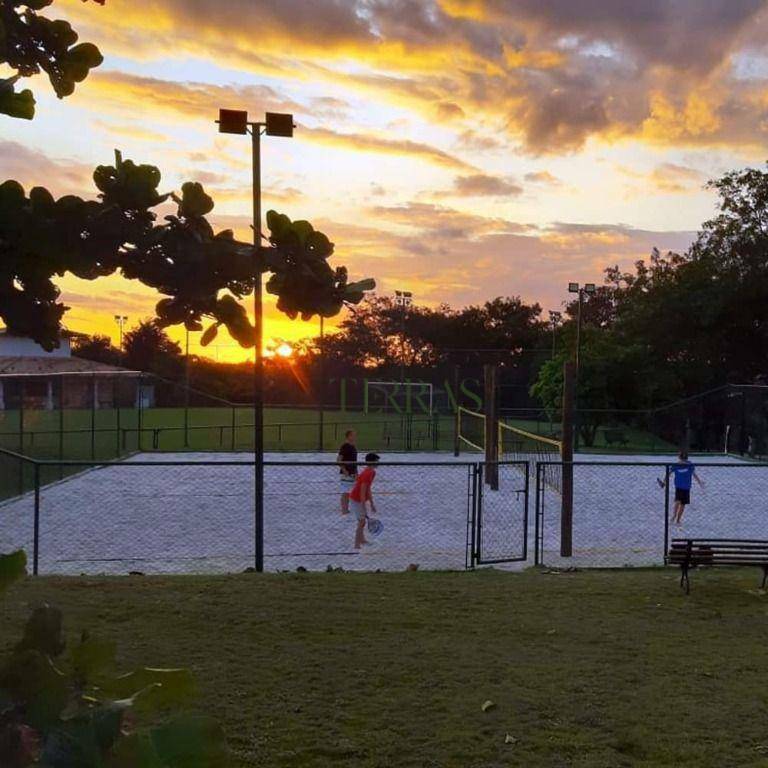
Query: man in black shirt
x=347 y=461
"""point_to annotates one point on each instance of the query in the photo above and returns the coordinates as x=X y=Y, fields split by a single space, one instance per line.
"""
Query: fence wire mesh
x=622 y=516
x=152 y=515
x=500 y=530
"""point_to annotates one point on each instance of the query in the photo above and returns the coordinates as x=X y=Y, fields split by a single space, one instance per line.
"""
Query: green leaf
x=19 y=105
x=43 y=632
x=194 y=201
x=92 y=656
x=32 y=679
x=368 y=284
x=12 y=568
x=209 y=334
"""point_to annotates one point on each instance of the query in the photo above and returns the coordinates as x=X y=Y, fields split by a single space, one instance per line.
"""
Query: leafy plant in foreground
x=67 y=709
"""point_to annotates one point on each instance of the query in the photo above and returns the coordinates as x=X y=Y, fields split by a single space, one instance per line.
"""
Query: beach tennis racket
x=375 y=526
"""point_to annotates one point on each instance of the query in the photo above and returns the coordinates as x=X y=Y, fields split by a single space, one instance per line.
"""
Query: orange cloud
x=363 y=142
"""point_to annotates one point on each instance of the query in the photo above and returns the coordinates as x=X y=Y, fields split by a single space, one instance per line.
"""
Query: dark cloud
x=553 y=73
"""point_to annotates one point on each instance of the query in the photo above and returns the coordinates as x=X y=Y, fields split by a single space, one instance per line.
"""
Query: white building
x=31 y=377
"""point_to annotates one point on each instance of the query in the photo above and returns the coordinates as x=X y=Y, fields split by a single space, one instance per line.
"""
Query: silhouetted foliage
x=147 y=347
x=97 y=348
x=202 y=273
x=30 y=44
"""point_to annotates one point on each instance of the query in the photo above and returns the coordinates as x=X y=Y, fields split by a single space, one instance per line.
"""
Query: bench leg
x=684 y=581
x=765 y=576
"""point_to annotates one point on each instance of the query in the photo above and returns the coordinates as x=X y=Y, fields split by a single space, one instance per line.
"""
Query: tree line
x=672 y=326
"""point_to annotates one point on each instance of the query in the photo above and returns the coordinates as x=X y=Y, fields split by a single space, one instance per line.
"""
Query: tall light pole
x=588 y=289
x=404 y=300
x=121 y=320
x=236 y=122
x=555 y=318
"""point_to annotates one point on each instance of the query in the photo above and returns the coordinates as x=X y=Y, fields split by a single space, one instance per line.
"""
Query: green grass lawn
x=598 y=669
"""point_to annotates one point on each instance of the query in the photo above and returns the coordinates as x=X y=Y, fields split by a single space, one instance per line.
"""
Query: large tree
x=30 y=44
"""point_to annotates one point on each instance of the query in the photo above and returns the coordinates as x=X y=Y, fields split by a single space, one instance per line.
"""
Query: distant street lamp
x=236 y=122
x=404 y=300
x=121 y=320
x=555 y=318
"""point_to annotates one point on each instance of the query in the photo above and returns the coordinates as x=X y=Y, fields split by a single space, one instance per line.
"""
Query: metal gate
x=499 y=530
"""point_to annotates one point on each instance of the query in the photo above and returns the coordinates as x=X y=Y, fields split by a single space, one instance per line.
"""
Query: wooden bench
x=712 y=553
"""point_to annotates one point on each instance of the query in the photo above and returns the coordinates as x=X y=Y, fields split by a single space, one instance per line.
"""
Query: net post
x=566 y=513
x=491 y=429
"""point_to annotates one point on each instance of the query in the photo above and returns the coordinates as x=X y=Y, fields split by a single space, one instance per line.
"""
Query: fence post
x=36 y=554
x=477 y=495
x=491 y=429
x=666 y=512
x=566 y=515
x=536 y=522
x=233 y=427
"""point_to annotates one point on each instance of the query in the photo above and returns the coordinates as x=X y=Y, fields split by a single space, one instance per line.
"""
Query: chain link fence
x=154 y=515
x=622 y=516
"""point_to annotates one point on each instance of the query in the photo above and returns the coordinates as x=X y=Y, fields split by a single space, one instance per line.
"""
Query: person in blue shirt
x=685 y=473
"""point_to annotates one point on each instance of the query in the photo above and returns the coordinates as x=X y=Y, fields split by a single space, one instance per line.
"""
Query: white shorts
x=358 y=508
x=346 y=483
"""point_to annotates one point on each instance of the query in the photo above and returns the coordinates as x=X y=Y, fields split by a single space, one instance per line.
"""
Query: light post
x=589 y=289
x=404 y=300
x=121 y=320
x=236 y=122
x=555 y=318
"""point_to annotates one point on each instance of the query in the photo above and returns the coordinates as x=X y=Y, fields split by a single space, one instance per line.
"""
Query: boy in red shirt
x=360 y=494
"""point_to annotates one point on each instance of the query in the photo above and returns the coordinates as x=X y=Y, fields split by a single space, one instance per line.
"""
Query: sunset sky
x=460 y=149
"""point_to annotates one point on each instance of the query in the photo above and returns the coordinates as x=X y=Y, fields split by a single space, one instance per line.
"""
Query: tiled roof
x=51 y=365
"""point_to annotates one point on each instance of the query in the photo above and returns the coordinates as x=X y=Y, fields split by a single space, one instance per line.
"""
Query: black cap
x=371 y=458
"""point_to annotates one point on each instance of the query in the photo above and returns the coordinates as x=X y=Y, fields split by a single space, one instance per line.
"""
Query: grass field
x=586 y=669
x=52 y=435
